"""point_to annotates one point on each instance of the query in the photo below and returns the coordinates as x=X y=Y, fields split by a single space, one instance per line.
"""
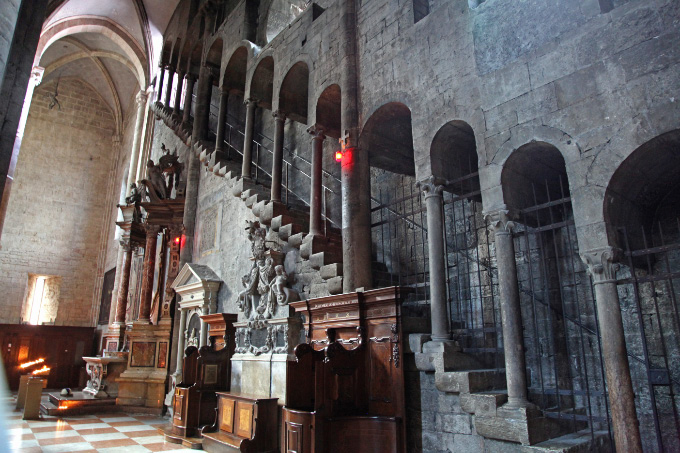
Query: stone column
x=434 y=203
x=168 y=86
x=511 y=315
x=221 y=119
x=180 y=342
x=277 y=158
x=161 y=76
x=147 y=272
x=202 y=105
x=136 y=140
x=621 y=396
x=188 y=97
x=178 y=93
x=355 y=173
x=316 y=193
x=124 y=284
x=204 y=328
x=248 y=139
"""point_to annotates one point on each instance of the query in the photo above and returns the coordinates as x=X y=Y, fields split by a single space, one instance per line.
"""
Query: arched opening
x=642 y=211
x=328 y=111
x=398 y=218
x=174 y=63
x=562 y=345
x=235 y=72
x=280 y=14
x=471 y=275
x=213 y=62
x=293 y=97
x=262 y=85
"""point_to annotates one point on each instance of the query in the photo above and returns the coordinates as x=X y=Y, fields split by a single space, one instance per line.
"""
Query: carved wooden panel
x=244 y=414
x=177 y=407
x=227 y=415
x=294 y=438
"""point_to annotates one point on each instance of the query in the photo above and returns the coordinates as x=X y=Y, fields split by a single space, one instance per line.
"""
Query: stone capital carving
x=279 y=115
x=141 y=98
x=317 y=132
x=126 y=245
x=500 y=221
x=151 y=230
x=251 y=102
x=601 y=264
x=175 y=231
x=37 y=75
x=431 y=187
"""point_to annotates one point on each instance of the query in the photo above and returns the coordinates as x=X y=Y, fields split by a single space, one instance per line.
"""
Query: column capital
x=126 y=245
x=175 y=231
x=151 y=230
x=141 y=98
x=279 y=115
x=431 y=187
x=317 y=132
x=500 y=221
x=602 y=264
x=251 y=102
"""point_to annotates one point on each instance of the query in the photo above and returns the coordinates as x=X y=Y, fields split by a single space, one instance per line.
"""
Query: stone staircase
x=482 y=393
x=290 y=221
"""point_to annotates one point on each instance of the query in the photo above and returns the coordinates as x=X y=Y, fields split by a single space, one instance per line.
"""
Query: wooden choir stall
x=345 y=391
x=205 y=371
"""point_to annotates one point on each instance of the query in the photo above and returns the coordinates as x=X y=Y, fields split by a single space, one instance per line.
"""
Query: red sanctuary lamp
x=338 y=156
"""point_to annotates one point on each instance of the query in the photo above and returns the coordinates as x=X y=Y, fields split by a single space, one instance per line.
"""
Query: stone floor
x=104 y=432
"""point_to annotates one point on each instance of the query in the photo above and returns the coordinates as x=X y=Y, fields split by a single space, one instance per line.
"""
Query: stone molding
x=279 y=115
x=431 y=187
x=317 y=132
x=602 y=264
x=141 y=98
x=500 y=221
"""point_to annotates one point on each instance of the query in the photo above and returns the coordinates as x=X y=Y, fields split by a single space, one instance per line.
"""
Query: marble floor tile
x=56 y=434
x=59 y=440
x=118 y=418
x=140 y=433
x=136 y=427
x=149 y=439
x=108 y=436
x=68 y=448
x=99 y=444
x=88 y=431
x=130 y=449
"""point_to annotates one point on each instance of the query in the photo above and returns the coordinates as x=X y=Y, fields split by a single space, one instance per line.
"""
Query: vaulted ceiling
x=112 y=45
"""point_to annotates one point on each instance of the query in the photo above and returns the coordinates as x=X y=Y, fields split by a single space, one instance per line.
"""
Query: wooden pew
x=244 y=423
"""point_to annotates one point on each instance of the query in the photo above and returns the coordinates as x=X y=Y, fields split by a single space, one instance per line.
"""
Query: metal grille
x=471 y=273
x=649 y=288
x=561 y=336
x=399 y=235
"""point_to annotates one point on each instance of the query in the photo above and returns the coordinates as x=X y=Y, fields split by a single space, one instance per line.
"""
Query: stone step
x=253 y=199
x=331 y=271
x=278 y=221
x=271 y=210
x=472 y=381
x=258 y=209
x=295 y=240
x=524 y=425
x=583 y=441
x=483 y=403
x=321 y=259
x=312 y=245
x=334 y=285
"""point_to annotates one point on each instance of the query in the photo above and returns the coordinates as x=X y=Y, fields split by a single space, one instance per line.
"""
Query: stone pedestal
x=259 y=365
x=103 y=373
x=143 y=382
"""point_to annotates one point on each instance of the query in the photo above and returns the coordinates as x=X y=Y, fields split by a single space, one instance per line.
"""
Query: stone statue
x=265 y=283
x=171 y=167
x=157 y=180
x=135 y=196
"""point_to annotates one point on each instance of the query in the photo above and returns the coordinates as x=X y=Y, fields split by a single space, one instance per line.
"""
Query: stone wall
x=9 y=11
x=54 y=218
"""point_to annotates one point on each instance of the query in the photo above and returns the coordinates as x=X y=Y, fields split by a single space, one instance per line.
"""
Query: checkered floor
x=114 y=432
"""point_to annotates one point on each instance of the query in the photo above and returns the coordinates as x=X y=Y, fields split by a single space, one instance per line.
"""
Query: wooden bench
x=244 y=423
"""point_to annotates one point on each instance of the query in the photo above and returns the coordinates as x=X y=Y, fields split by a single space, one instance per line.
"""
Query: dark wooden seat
x=205 y=371
x=244 y=423
x=345 y=391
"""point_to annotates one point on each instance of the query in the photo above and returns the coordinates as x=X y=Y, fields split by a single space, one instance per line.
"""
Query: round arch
x=388 y=138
